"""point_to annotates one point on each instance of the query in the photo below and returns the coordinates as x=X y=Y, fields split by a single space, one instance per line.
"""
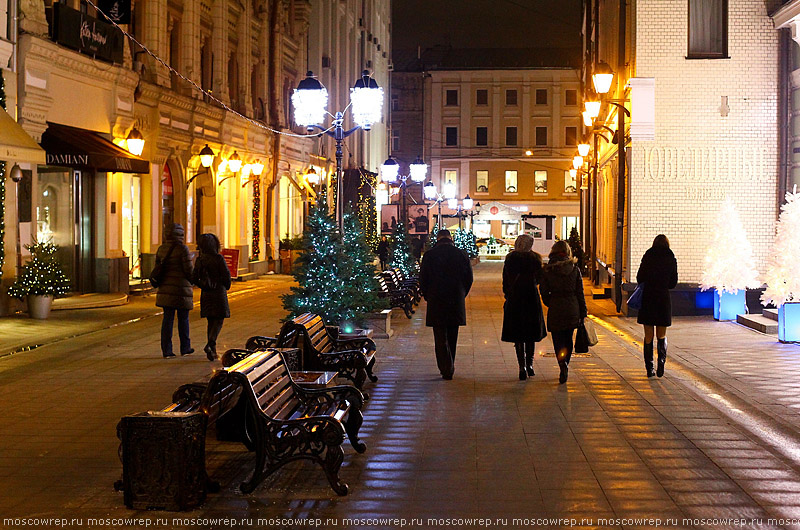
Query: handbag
x=591 y=332
x=157 y=274
x=635 y=300
x=581 y=340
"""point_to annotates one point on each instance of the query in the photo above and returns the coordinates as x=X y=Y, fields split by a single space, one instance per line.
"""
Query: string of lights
x=2 y=190
x=197 y=87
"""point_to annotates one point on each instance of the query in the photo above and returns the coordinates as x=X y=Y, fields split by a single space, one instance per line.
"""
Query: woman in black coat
x=657 y=274
x=175 y=290
x=211 y=274
x=562 y=293
x=523 y=319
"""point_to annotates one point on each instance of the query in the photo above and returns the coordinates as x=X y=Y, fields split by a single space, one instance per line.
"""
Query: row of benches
x=401 y=292
x=254 y=400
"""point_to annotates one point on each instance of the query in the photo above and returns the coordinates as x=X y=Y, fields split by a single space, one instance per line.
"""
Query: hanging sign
x=231 y=256
x=86 y=34
x=117 y=10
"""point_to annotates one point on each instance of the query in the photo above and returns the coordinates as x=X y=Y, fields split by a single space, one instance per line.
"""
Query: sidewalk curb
x=779 y=437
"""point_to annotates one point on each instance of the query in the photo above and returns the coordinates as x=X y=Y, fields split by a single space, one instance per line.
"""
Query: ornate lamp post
x=390 y=174
x=310 y=101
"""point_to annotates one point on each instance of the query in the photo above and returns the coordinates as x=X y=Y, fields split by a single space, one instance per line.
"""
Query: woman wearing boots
x=523 y=321
x=211 y=274
x=562 y=293
x=658 y=273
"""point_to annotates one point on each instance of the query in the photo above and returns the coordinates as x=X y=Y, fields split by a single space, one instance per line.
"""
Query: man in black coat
x=445 y=278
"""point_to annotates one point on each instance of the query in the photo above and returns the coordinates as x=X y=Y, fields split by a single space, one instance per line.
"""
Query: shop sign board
x=231 y=256
x=86 y=34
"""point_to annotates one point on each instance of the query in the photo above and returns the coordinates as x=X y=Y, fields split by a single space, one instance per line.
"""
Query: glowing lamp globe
x=583 y=149
x=366 y=98
x=418 y=170
x=206 y=156
x=593 y=108
x=257 y=168
x=312 y=177
x=602 y=77
x=310 y=101
x=468 y=202
x=135 y=142
x=235 y=162
x=577 y=161
x=389 y=170
x=449 y=190
x=587 y=119
x=573 y=173
x=429 y=189
x=452 y=204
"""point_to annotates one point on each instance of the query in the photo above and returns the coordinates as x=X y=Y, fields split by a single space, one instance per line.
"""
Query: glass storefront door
x=131 y=222
x=56 y=217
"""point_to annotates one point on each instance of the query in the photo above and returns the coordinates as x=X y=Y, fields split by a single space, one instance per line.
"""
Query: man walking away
x=445 y=278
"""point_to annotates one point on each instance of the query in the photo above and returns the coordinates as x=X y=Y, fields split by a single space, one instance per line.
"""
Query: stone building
x=700 y=81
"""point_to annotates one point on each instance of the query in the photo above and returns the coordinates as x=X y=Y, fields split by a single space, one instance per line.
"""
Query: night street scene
x=389 y=264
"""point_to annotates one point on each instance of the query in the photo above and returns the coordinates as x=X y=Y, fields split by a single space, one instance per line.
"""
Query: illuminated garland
x=367 y=210
x=2 y=189
x=42 y=275
x=256 y=217
x=401 y=257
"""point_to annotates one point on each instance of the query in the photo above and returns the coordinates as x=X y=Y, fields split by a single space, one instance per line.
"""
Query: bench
x=353 y=359
x=400 y=299
x=290 y=423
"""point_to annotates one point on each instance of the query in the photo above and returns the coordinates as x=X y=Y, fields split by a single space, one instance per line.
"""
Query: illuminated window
x=540 y=181
x=570 y=183
x=708 y=29
x=511 y=182
x=567 y=224
x=482 y=181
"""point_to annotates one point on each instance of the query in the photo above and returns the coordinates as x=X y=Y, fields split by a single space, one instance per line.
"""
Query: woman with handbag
x=523 y=319
x=658 y=273
x=562 y=292
x=211 y=274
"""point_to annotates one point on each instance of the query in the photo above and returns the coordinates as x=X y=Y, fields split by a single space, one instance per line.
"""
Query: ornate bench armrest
x=260 y=342
x=348 y=358
x=234 y=355
x=364 y=344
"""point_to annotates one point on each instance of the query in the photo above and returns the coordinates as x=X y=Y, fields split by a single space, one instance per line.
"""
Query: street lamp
x=583 y=149
x=206 y=159
x=135 y=142
x=390 y=172
x=310 y=101
x=602 y=77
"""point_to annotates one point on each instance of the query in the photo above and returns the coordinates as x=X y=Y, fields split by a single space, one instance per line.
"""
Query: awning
x=15 y=144
x=79 y=148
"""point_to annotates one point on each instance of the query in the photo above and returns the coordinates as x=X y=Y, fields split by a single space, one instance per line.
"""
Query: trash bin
x=163 y=460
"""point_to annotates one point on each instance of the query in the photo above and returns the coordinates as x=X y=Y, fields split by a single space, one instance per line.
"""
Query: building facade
x=231 y=71
x=699 y=80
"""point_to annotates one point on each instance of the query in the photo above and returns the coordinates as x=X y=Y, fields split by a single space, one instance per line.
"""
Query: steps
x=601 y=292
x=246 y=276
x=759 y=323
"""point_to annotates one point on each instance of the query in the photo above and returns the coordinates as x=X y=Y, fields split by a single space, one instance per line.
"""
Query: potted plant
x=41 y=279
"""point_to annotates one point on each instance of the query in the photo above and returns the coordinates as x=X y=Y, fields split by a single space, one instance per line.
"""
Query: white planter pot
x=39 y=306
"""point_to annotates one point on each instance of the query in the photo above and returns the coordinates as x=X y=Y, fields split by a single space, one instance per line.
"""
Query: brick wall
x=700 y=155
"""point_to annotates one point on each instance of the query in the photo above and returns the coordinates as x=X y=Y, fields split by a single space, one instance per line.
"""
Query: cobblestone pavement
x=609 y=449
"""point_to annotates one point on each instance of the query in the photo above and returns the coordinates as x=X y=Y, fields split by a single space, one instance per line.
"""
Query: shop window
x=541 y=96
x=541 y=136
x=511 y=136
x=708 y=29
x=451 y=136
x=481 y=136
x=482 y=181
x=481 y=97
x=540 y=181
x=567 y=224
x=511 y=182
x=510 y=230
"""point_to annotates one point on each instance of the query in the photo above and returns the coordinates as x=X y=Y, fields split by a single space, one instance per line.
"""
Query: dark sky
x=486 y=23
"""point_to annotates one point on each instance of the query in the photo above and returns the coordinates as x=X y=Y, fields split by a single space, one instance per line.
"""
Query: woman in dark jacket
x=175 y=290
x=523 y=319
x=657 y=274
x=562 y=293
x=212 y=276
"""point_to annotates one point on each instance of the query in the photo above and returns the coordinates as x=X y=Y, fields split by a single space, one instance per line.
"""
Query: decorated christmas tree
x=729 y=264
x=783 y=274
x=362 y=279
x=432 y=238
x=401 y=257
x=466 y=241
x=42 y=275
x=323 y=272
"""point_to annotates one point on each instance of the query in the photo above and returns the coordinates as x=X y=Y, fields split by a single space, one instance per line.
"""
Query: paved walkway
x=609 y=449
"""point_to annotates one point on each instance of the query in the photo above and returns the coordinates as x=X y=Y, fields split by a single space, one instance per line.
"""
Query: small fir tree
x=783 y=275
x=466 y=241
x=42 y=275
x=432 y=238
x=363 y=280
x=323 y=272
x=729 y=264
x=401 y=257
x=576 y=246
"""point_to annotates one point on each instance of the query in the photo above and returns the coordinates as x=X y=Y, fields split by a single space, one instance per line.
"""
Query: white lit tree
x=729 y=264
x=783 y=274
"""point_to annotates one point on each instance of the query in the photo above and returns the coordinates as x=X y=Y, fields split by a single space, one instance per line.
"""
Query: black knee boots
x=648 y=359
x=520 y=349
x=529 y=362
x=662 y=356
